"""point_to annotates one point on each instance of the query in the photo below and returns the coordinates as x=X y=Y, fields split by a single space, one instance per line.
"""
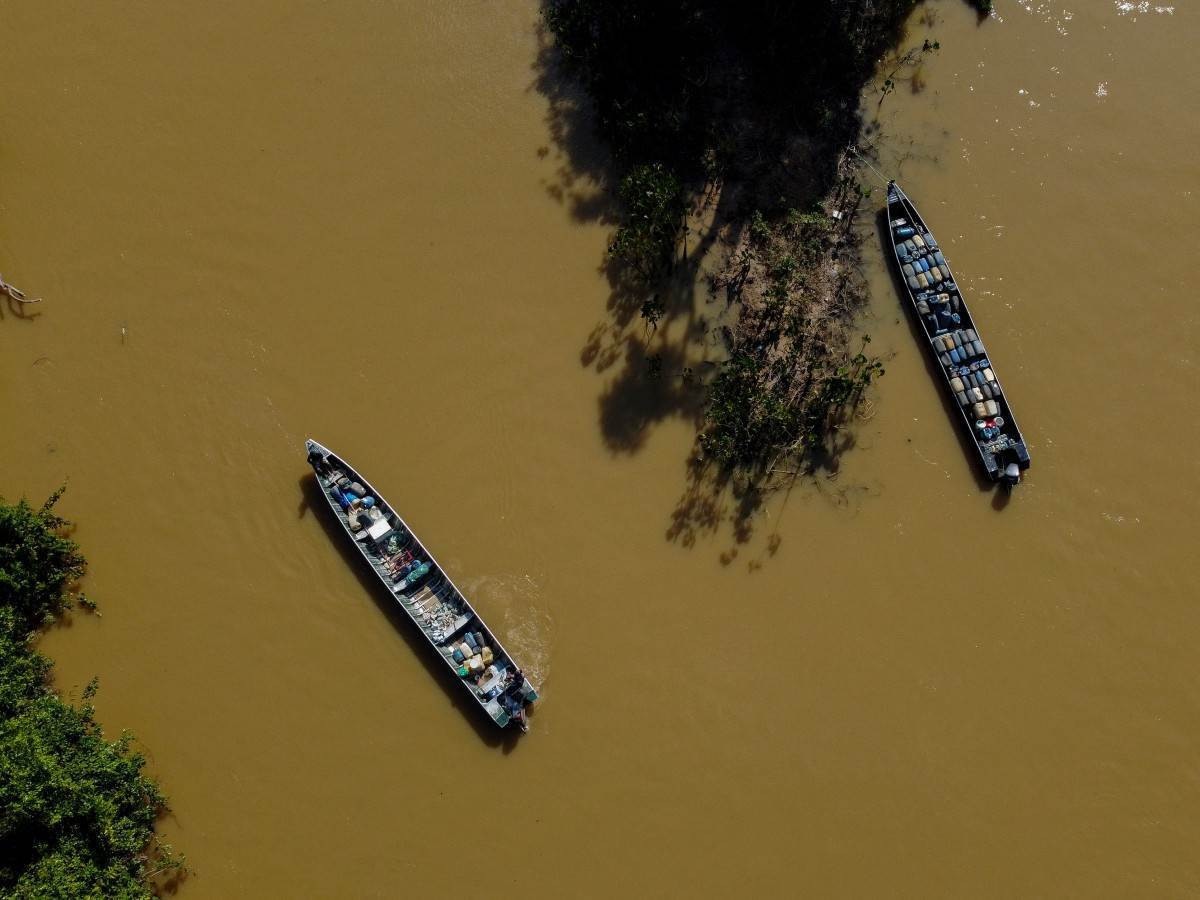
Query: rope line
x=878 y=174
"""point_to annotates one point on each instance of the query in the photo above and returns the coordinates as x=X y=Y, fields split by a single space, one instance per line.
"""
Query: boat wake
x=528 y=627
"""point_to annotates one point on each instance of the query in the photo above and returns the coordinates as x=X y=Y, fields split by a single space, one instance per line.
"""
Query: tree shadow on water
x=716 y=498
x=709 y=94
x=654 y=370
x=581 y=178
x=713 y=497
x=17 y=309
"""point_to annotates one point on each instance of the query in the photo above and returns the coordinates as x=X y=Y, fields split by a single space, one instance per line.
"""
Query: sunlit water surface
x=345 y=222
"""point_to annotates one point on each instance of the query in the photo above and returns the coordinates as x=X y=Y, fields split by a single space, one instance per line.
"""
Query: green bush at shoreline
x=77 y=814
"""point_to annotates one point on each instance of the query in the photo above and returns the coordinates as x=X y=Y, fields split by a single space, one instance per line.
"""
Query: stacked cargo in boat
x=954 y=343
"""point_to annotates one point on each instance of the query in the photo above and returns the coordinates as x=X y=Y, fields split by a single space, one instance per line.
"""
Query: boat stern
x=1007 y=466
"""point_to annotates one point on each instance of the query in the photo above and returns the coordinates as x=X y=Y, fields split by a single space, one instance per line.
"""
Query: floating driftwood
x=15 y=293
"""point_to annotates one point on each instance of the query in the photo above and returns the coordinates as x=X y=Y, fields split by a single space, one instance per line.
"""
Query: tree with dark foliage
x=76 y=813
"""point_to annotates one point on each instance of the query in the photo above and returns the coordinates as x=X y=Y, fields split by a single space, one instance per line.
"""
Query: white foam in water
x=512 y=606
x=1126 y=8
x=527 y=636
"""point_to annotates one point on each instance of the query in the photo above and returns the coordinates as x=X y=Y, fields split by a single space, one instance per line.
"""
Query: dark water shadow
x=703 y=505
x=773 y=154
x=653 y=384
x=170 y=886
x=64 y=621
x=649 y=369
x=506 y=738
x=18 y=310
x=169 y=883
x=953 y=416
x=581 y=181
x=714 y=497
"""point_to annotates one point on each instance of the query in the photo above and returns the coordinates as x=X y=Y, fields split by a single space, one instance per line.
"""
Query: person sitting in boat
x=513 y=705
x=317 y=461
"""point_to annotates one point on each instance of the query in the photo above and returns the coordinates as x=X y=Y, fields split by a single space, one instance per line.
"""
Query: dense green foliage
x=752 y=416
x=652 y=199
x=37 y=562
x=76 y=813
x=789 y=394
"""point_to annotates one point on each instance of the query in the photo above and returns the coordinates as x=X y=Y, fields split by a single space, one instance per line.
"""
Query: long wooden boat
x=954 y=341
x=413 y=578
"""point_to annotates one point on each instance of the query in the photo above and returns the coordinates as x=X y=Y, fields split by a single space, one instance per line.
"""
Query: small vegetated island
x=746 y=109
x=77 y=814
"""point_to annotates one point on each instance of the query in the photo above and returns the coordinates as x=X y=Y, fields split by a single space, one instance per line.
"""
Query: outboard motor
x=1012 y=475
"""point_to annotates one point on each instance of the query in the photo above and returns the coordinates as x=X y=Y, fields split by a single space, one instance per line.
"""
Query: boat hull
x=428 y=597
x=953 y=342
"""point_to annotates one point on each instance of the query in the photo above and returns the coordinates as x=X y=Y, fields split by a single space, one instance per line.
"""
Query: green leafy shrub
x=791 y=379
x=652 y=199
x=77 y=814
x=37 y=562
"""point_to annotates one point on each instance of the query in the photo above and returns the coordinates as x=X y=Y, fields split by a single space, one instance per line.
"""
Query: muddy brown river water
x=347 y=221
